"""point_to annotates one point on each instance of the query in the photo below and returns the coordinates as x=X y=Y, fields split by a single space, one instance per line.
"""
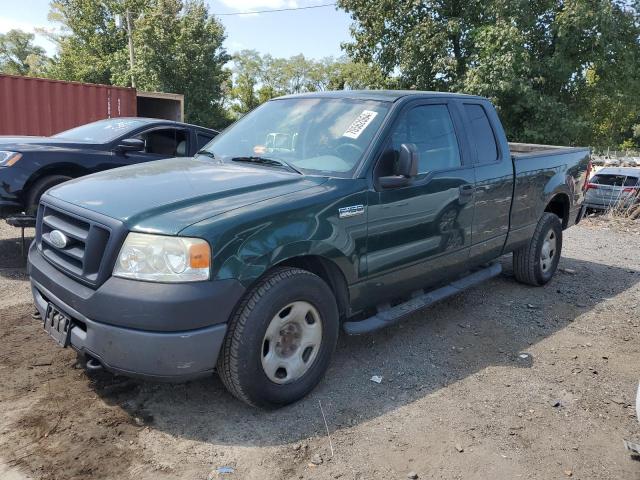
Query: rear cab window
x=481 y=134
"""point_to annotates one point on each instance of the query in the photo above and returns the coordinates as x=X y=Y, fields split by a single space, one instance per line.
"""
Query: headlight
x=9 y=158
x=158 y=258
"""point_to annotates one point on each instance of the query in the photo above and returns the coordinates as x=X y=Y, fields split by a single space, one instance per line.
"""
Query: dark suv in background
x=31 y=165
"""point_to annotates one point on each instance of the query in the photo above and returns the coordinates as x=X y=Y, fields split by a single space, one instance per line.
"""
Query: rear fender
x=561 y=187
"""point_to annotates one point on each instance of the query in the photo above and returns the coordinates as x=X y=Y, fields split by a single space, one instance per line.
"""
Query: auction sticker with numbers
x=359 y=124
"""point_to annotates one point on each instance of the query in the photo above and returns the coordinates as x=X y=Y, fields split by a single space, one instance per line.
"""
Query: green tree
x=427 y=44
x=19 y=56
x=247 y=72
x=91 y=45
x=177 y=43
x=559 y=71
x=179 y=49
x=351 y=75
x=611 y=89
x=258 y=78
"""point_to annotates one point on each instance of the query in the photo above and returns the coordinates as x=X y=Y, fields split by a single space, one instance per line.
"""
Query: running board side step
x=393 y=315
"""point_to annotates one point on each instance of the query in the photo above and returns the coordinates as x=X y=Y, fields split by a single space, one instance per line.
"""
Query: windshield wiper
x=267 y=161
x=206 y=153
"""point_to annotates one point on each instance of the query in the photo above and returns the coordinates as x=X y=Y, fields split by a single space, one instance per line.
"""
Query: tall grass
x=627 y=207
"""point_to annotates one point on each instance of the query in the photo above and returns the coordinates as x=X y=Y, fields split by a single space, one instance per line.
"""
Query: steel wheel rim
x=454 y=240
x=447 y=221
x=548 y=251
x=291 y=343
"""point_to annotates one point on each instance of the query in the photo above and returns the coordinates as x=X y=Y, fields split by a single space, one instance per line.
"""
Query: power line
x=277 y=10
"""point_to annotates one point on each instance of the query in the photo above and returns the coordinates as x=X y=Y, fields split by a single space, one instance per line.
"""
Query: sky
x=316 y=32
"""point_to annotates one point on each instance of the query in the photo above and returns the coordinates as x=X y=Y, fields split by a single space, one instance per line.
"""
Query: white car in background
x=613 y=187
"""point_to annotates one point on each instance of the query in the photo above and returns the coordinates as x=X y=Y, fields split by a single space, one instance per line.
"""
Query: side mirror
x=406 y=167
x=130 y=145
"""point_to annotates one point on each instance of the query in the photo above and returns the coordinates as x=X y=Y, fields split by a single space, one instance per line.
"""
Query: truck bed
x=526 y=150
x=540 y=172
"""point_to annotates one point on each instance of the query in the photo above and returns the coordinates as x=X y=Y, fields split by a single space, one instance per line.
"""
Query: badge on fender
x=352 y=211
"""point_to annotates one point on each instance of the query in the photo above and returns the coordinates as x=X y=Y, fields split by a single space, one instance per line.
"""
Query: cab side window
x=202 y=139
x=481 y=133
x=167 y=142
x=430 y=129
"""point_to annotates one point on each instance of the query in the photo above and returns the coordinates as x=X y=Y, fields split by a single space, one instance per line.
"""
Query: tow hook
x=93 y=364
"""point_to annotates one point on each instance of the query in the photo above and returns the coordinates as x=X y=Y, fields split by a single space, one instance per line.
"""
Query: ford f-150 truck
x=312 y=213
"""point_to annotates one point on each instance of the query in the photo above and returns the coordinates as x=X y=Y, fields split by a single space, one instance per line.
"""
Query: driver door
x=420 y=233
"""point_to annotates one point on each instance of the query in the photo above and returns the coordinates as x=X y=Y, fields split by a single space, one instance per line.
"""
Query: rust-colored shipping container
x=39 y=106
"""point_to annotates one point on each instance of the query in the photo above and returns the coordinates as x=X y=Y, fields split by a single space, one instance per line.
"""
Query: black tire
x=240 y=361
x=527 y=267
x=38 y=188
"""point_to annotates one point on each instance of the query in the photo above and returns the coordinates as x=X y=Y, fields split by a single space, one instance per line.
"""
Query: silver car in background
x=613 y=187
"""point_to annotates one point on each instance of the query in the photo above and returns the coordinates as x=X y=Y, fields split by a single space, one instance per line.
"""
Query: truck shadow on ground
x=490 y=325
x=11 y=255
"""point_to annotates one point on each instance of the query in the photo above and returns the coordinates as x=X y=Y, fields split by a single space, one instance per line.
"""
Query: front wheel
x=280 y=339
x=38 y=188
x=535 y=263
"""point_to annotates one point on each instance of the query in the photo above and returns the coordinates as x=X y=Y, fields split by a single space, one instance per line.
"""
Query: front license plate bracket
x=58 y=326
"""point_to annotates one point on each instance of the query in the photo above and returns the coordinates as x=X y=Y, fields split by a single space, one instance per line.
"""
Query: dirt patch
x=52 y=420
x=503 y=381
x=611 y=221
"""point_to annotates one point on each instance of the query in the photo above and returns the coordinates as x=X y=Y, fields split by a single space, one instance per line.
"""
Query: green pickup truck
x=313 y=213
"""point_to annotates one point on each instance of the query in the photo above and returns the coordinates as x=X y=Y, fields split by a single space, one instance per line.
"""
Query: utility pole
x=131 y=55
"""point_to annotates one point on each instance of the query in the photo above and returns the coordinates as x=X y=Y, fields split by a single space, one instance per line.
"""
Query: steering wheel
x=349 y=151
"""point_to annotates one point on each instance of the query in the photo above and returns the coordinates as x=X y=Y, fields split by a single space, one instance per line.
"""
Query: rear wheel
x=535 y=263
x=38 y=188
x=280 y=340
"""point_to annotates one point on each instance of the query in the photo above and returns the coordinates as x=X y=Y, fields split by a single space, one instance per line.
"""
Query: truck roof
x=380 y=95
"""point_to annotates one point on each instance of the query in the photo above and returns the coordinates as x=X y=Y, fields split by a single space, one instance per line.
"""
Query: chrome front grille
x=83 y=253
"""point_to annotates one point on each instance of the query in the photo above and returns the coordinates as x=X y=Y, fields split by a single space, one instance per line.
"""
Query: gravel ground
x=503 y=381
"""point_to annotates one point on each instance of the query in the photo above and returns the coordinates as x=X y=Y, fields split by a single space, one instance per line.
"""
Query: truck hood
x=167 y=196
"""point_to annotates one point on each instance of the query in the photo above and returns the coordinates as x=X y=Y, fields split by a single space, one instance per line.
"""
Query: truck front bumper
x=188 y=332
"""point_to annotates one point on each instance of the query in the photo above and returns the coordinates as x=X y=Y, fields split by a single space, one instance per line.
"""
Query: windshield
x=102 y=131
x=314 y=135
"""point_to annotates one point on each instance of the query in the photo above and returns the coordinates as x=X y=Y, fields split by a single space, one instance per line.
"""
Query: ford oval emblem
x=58 y=239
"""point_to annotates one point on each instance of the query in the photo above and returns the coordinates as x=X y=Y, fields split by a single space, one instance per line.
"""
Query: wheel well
x=559 y=205
x=329 y=272
x=72 y=171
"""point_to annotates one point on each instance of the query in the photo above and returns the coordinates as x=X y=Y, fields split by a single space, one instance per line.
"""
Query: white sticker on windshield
x=359 y=124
